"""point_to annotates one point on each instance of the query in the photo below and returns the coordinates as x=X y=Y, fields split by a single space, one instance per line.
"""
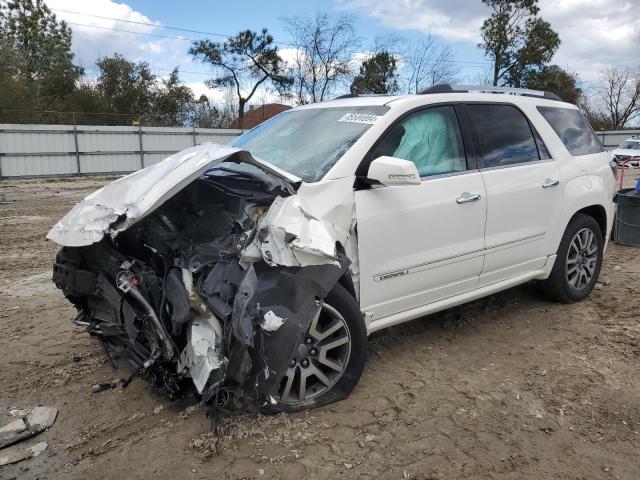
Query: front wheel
x=578 y=262
x=330 y=361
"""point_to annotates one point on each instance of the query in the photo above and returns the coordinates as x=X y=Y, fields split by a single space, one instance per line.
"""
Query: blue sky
x=594 y=33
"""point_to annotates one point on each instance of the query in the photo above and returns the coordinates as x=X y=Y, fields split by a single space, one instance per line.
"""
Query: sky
x=595 y=33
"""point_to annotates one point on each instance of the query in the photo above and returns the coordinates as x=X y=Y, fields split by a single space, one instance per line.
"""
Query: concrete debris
x=42 y=418
x=27 y=425
x=604 y=280
x=19 y=453
x=14 y=427
x=18 y=412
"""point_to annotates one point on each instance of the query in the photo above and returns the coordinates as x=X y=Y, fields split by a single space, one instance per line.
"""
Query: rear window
x=574 y=131
x=504 y=134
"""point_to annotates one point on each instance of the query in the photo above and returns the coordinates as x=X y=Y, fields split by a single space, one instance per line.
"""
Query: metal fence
x=39 y=150
x=49 y=150
x=611 y=139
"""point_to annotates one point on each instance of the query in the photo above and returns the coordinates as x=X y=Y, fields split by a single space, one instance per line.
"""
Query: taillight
x=614 y=169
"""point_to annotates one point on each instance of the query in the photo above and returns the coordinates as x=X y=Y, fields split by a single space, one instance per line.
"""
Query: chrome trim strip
x=455 y=258
x=512 y=165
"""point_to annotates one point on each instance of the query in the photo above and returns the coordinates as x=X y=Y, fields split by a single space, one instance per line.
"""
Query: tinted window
x=573 y=130
x=504 y=135
x=429 y=138
x=630 y=145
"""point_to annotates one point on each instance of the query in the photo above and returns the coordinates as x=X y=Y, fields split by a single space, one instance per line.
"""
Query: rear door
x=421 y=243
x=523 y=192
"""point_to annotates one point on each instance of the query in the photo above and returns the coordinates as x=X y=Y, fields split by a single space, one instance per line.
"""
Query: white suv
x=627 y=150
x=258 y=270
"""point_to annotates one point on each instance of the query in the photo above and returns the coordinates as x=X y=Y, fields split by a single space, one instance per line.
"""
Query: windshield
x=308 y=142
x=630 y=145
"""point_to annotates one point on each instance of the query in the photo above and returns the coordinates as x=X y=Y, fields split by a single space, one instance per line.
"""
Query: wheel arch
x=599 y=214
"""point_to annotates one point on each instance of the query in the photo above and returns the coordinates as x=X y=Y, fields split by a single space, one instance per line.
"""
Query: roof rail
x=523 y=92
x=356 y=95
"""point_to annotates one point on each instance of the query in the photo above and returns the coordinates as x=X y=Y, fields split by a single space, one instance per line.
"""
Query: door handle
x=550 y=183
x=467 y=197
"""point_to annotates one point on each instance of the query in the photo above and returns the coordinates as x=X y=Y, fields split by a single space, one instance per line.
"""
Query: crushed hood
x=117 y=206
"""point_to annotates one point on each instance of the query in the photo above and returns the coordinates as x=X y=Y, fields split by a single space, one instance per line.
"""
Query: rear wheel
x=329 y=362
x=578 y=263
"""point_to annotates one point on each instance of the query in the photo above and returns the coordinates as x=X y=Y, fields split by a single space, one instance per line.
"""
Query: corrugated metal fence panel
x=611 y=139
x=33 y=150
x=157 y=139
x=104 y=149
x=204 y=135
x=36 y=150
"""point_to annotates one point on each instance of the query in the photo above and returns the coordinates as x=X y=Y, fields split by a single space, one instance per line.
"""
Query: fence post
x=194 y=136
x=140 y=141
x=75 y=140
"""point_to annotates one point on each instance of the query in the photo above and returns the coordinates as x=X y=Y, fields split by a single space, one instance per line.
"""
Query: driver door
x=422 y=243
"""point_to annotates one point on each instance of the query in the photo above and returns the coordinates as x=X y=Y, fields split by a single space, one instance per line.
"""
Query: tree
x=125 y=87
x=324 y=46
x=244 y=62
x=378 y=74
x=173 y=103
x=426 y=64
x=617 y=97
x=40 y=48
x=205 y=114
x=555 y=79
x=517 y=40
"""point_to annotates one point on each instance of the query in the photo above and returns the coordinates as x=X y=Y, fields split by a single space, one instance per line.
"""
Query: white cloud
x=95 y=37
x=594 y=33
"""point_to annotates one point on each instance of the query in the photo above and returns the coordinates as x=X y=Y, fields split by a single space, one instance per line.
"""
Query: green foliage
x=124 y=86
x=378 y=74
x=554 y=79
x=37 y=63
x=517 y=40
x=128 y=88
x=243 y=62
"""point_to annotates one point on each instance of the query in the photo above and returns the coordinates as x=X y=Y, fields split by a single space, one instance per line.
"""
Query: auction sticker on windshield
x=359 y=118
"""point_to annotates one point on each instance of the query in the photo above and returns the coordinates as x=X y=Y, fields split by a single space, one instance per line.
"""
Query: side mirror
x=393 y=171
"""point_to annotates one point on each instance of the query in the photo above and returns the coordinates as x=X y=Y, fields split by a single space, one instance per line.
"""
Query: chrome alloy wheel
x=582 y=258
x=320 y=360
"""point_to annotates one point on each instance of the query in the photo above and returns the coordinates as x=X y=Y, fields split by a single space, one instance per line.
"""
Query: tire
x=339 y=301
x=563 y=285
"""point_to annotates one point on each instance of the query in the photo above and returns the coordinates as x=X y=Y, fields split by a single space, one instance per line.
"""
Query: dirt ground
x=509 y=387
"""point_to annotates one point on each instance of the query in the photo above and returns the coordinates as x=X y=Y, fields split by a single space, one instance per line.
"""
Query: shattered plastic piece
x=272 y=321
x=42 y=418
x=13 y=428
x=203 y=353
x=19 y=453
x=18 y=412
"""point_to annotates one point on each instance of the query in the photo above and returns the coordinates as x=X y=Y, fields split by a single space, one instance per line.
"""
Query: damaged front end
x=199 y=273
